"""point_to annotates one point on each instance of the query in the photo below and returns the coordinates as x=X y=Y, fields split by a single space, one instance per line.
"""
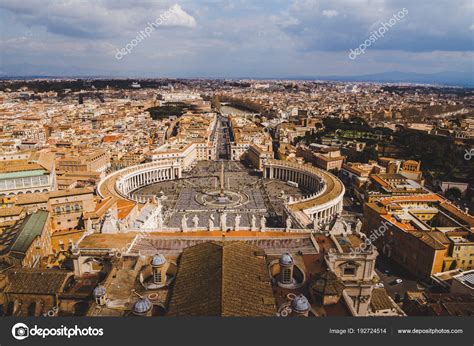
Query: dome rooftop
x=99 y=291
x=300 y=304
x=286 y=259
x=142 y=306
x=158 y=260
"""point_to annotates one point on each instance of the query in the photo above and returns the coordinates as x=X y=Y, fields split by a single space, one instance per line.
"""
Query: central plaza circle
x=199 y=192
x=215 y=200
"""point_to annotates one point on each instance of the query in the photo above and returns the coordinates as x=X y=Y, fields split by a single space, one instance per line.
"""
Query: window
x=157 y=276
x=287 y=275
x=349 y=270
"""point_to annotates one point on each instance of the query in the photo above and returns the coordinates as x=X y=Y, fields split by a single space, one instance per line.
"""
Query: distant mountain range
x=465 y=79
x=451 y=78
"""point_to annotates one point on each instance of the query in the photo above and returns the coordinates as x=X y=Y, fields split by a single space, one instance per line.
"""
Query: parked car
x=396 y=282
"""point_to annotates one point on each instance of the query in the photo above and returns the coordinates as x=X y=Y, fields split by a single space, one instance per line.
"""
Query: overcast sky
x=234 y=38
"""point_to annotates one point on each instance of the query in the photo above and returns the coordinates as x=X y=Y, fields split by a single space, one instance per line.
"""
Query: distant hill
x=451 y=78
x=464 y=79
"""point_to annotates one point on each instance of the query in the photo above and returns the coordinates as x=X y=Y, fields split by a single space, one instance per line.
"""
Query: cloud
x=426 y=27
x=330 y=13
x=95 y=18
x=238 y=37
x=180 y=18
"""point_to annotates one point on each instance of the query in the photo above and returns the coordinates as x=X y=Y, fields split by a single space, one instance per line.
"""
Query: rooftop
x=222 y=279
x=36 y=281
x=32 y=227
x=466 y=278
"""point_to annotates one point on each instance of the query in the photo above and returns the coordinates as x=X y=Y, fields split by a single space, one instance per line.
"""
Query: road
x=388 y=271
x=222 y=133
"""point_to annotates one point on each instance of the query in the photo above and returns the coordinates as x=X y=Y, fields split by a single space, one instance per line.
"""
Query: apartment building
x=85 y=161
x=24 y=176
x=66 y=206
x=423 y=233
x=244 y=133
x=322 y=156
x=27 y=242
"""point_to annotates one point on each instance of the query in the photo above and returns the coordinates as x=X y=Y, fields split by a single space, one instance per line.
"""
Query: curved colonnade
x=122 y=183
x=322 y=205
x=326 y=199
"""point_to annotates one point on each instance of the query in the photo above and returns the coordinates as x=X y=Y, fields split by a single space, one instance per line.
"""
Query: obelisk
x=222 y=180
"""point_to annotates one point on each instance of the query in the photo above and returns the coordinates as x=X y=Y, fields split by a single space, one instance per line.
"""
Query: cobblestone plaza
x=261 y=197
